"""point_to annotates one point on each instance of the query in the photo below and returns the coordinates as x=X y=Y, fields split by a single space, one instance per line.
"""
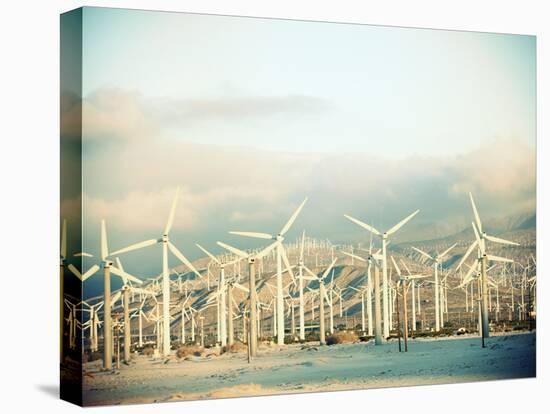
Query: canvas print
x=260 y=206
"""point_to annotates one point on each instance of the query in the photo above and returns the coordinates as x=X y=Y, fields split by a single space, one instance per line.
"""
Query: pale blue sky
x=389 y=91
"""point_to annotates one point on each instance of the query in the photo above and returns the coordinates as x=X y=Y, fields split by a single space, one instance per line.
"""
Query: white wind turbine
x=252 y=295
x=483 y=258
x=166 y=245
x=322 y=297
x=384 y=236
x=222 y=291
x=405 y=281
x=108 y=269
x=437 y=262
x=362 y=290
x=372 y=259
x=281 y=255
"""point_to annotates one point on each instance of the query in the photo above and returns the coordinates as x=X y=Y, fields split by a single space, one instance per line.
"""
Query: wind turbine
x=483 y=258
x=322 y=297
x=222 y=290
x=108 y=268
x=362 y=290
x=281 y=255
x=437 y=261
x=301 y=288
x=372 y=260
x=384 y=236
x=403 y=279
x=166 y=245
x=126 y=278
x=252 y=294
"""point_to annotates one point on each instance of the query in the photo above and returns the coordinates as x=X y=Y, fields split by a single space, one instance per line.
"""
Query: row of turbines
x=378 y=292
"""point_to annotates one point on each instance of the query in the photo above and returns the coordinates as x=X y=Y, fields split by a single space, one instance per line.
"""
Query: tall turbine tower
x=166 y=245
x=281 y=255
x=384 y=236
x=437 y=261
x=482 y=259
x=253 y=335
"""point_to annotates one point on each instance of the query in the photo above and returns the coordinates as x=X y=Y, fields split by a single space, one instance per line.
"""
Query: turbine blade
x=233 y=250
x=286 y=262
x=75 y=271
x=364 y=225
x=172 y=212
x=405 y=266
x=423 y=253
x=442 y=255
x=183 y=259
x=396 y=267
x=499 y=259
x=83 y=254
x=478 y=238
x=136 y=246
x=64 y=240
x=476 y=215
x=119 y=264
x=329 y=268
x=354 y=256
x=265 y=251
x=252 y=234
x=468 y=252
x=377 y=257
x=239 y=286
x=90 y=272
x=308 y=270
x=401 y=223
x=292 y=218
x=115 y=298
x=125 y=276
x=104 y=245
x=208 y=253
x=501 y=241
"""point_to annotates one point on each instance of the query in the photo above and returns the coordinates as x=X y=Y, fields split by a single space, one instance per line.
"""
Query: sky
x=249 y=116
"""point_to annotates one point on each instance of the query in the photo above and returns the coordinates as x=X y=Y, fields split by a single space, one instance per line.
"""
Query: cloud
x=227 y=187
x=121 y=115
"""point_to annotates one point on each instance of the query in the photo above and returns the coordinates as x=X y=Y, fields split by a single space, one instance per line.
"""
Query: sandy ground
x=298 y=368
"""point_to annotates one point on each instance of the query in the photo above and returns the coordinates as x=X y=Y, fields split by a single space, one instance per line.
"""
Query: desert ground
x=309 y=368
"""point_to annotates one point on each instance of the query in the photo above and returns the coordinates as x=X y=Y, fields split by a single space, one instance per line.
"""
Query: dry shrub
x=343 y=337
x=92 y=356
x=148 y=351
x=234 y=348
x=187 y=350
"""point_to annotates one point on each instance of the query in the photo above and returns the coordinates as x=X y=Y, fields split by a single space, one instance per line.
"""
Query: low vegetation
x=342 y=337
x=236 y=347
x=187 y=350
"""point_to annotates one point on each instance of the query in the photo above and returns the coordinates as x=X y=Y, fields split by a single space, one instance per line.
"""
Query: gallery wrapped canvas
x=263 y=206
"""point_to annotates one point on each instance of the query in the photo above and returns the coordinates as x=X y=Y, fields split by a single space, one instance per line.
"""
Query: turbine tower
x=322 y=297
x=281 y=255
x=437 y=261
x=166 y=245
x=480 y=241
x=252 y=294
x=384 y=236
x=221 y=292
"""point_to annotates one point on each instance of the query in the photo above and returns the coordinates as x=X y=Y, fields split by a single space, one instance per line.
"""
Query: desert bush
x=342 y=337
x=312 y=336
x=289 y=339
x=187 y=350
x=148 y=350
x=235 y=347
x=93 y=356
